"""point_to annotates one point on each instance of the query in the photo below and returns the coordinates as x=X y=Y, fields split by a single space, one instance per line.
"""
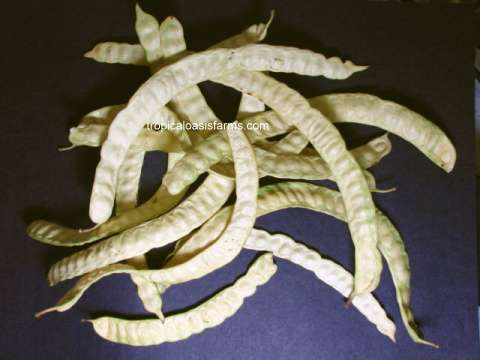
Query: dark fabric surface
x=420 y=56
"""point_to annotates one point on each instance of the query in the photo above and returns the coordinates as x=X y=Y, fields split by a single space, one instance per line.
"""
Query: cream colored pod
x=208 y=234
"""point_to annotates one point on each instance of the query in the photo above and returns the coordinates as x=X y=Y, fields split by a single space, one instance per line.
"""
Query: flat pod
x=180 y=326
x=170 y=80
x=312 y=197
x=75 y=293
x=188 y=215
x=118 y=53
x=316 y=198
x=189 y=103
x=429 y=139
x=292 y=143
x=204 y=155
x=148 y=32
x=249 y=106
x=332 y=274
x=185 y=265
x=311 y=167
x=330 y=145
x=93 y=129
x=129 y=181
x=149 y=138
x=151 y=37
x=281 y=196
x=129 y=173
x=326 y=139
x=274 y=198
x=371 y=110
x=240 y=223
x=58 y=235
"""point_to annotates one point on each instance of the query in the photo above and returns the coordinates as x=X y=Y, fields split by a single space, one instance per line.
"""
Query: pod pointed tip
x=89 y=54
x=349 y=301
x=385 y=191
x=44 y=311
x=359 y=68
x=392 y=337
x=66 y=148
x=270 y=19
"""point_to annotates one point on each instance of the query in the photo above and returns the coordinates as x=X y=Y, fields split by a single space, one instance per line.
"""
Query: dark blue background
x=420 y=56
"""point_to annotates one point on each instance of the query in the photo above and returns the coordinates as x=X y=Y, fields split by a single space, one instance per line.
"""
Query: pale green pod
x=129 y=181
x=92 y=135
x=242 y=219
x=183 y=267
x=395 y=118
x=126 y=198
x=295 y=194
x=317 y=198
x=147 y=29
x=150 y=293
x=211 y=151
x=328 y=142
x=148 y=140
x=75 y=293
x=59 y=235
x=150 y=296
x=331 y=273
x=102 y=116
x=188 y=215
x=326 y=139
x=127 y=186
x=371 y=110
x=394 y=252
x=134 y=54
x=270 y=199
x=311 y=167
x=253 y=34
x=197 y=161
x=249 y=106
x=130 y=171
x=240 y=224
x=293 y=143
x=190 y=103
x=172 y=39
x=161 y=202
x=171 y=79
x=180 y=326
x=314 y=197
x=54 y=234
x=118 y=53
x=286 y=248
x=93 y=130
x=255 y=126
x=129 y=177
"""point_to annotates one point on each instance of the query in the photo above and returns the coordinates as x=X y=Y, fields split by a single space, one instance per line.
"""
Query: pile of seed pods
x=207 y=233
